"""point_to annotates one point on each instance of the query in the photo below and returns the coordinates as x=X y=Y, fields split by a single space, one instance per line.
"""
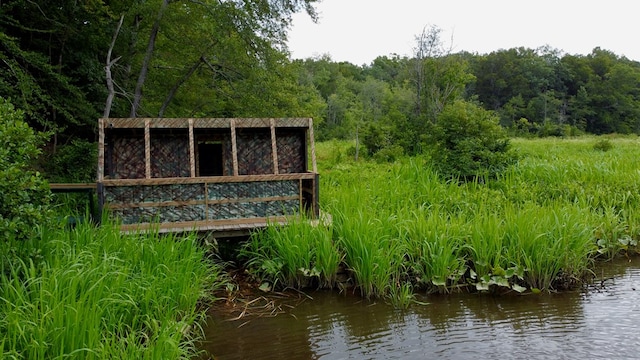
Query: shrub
x=376 y=137
x=24 y=194
x=389 y=154
x=73 y=162
x=468 y=141
x=603 y=145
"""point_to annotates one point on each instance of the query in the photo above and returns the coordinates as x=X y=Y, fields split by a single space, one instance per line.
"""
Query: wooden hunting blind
x=221 y=175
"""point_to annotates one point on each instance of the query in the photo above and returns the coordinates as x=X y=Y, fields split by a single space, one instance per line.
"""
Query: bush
x=24 y=194
x=603 y=145
x=73 y=162
x=376 y=137
x=468 y=142
x=389 y=154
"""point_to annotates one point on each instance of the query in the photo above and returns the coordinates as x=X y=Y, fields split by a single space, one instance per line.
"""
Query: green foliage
x=73 y=162
x=390 y=153
x=467 y=142
x=24 y=194
x=376 y=137
x=603 y=145
x=98 y=294
x=298 y=255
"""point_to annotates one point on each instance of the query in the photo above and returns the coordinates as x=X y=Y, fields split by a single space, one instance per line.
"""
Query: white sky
x=358 y=31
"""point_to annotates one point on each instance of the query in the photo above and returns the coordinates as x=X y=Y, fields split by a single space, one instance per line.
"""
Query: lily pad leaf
x=266 y=287
x=482 y=286
x=518 y=288
x=472 y=274
x=438 y=281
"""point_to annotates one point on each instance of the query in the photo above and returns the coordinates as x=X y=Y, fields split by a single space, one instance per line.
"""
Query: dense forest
x=67 y=63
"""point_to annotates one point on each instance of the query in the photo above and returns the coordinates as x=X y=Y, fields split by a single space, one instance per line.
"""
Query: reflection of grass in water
x=94 y=293
x=538 y=226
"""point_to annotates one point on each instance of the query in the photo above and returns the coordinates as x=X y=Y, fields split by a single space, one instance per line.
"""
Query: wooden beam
x=274 y=146
x=208 y=179
x=234 y=147
x=209 y=123
x=192 y=155
x=313 y=147
x=230 y=225
x=100 y=174
x=147 y=149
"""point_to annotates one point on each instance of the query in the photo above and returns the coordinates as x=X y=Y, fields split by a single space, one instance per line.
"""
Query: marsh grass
x=539 y=226
x=93 y=293
x=297 y=255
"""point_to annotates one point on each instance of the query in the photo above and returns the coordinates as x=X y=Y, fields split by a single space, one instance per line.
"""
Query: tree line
x=66 y=63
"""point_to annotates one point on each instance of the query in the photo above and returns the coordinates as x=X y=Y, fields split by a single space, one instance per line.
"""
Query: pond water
x=601 y=321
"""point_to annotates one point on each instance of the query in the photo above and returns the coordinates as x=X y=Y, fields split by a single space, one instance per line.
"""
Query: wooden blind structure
x=215 y=174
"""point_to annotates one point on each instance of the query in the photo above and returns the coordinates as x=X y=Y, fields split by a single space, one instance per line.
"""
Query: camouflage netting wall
x=170 y=155
x=291 y=151
x=170 y=152
x=254 y=151
x=226 y=201
x=127 y=158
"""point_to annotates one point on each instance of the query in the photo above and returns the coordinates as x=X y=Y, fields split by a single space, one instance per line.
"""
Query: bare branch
x=107 y=69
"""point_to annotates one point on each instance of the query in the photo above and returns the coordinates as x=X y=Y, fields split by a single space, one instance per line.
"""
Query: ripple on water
x=602 y=322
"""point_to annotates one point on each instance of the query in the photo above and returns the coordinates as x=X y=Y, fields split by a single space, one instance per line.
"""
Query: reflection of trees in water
x=516 y=312
x=454 y=326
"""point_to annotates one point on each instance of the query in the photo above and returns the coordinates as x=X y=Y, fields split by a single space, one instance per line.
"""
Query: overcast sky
x=358 y=31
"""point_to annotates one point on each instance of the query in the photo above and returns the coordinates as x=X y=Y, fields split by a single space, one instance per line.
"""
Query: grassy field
x=92 y=293
x=398 y=228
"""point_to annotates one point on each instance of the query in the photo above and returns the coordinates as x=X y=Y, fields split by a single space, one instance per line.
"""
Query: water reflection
x=602 y=322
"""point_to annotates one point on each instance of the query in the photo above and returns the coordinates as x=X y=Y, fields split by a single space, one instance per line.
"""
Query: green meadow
x=398 y=228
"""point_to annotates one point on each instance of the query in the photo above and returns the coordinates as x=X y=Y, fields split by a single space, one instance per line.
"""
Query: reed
x=93 y=293
x=297 y=255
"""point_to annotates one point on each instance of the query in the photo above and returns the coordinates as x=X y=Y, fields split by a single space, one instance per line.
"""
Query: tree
x=177 y=53
x=439 y=78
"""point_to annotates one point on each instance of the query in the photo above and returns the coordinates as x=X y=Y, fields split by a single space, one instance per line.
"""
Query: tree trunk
x=137 y=95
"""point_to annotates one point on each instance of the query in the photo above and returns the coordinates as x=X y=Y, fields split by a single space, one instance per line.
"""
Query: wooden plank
x=234 y=148
x=147 y=149
x=100 y=174
x=211 y=123
x=207 y=179
x=274 y=147
x=192 y=155
x=73 y=186
x=313 y=147
x=210 y=225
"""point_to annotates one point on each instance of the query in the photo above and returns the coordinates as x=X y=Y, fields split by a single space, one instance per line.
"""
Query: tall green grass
x=297 y=255
x=539 y=226
x=93 y=293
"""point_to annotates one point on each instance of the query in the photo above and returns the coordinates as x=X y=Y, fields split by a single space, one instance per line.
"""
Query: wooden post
x=234 y=146
x=274 y=146
x=192 y=156
x=147 y=149
x=100 y=174
x=313 y=147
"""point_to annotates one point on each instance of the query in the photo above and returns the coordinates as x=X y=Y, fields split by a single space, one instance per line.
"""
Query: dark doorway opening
x=210 y=159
